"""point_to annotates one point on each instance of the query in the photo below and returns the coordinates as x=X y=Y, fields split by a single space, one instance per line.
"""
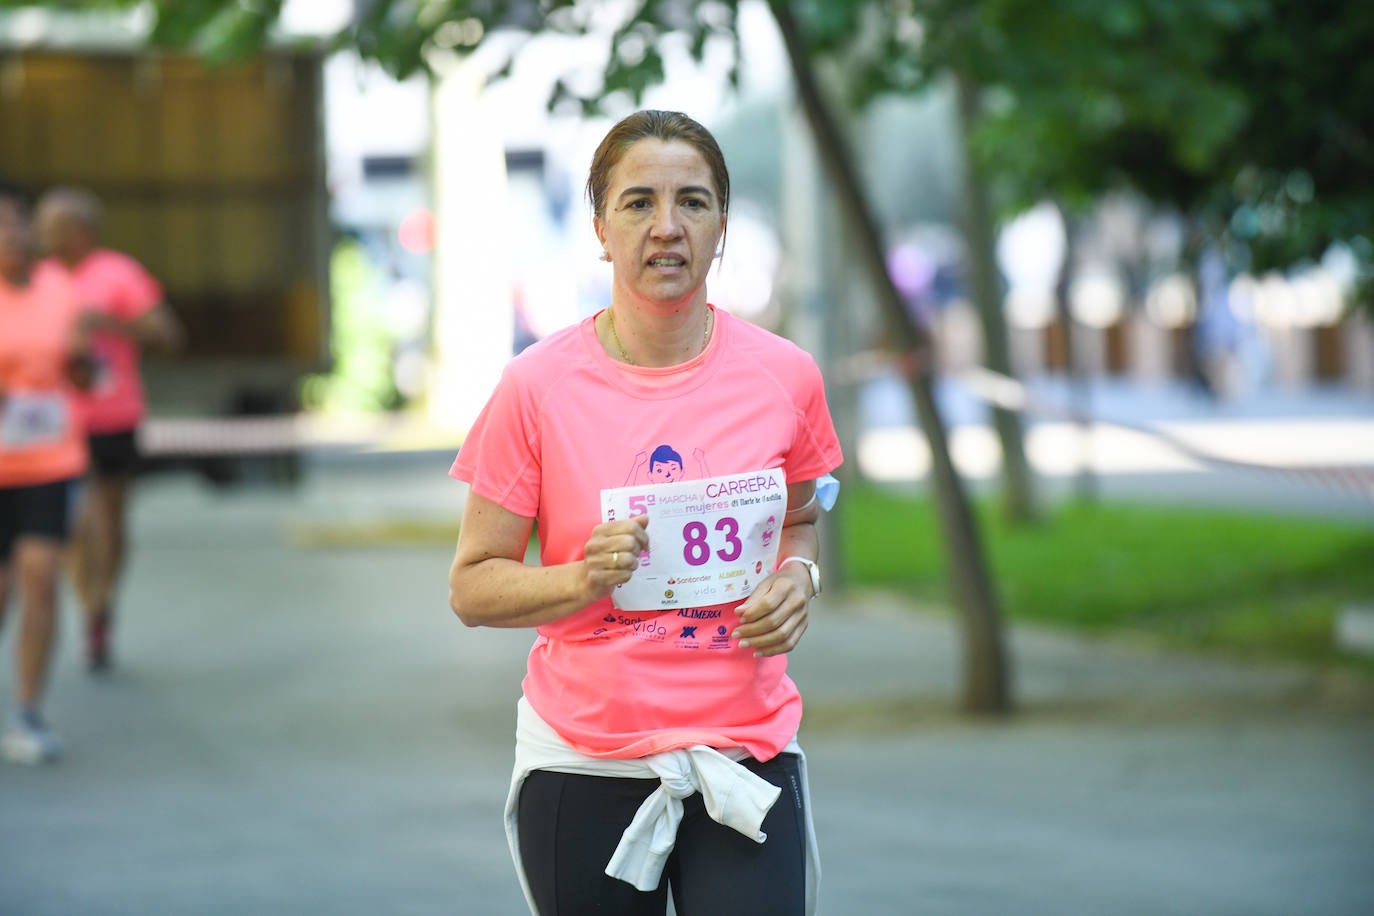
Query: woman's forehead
x=653 y=161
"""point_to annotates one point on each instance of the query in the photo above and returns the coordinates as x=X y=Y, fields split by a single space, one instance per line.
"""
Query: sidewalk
x=297 y=731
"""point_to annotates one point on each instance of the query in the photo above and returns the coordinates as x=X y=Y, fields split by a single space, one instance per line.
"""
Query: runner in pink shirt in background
x=656 y=741
x=128 y=313
x=42 y=455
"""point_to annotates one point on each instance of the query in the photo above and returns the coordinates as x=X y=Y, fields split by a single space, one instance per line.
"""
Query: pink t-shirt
x=116 y=285
x=41 y=436
x=567 y=421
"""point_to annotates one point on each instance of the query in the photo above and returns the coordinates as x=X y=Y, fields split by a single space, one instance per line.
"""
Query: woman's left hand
x=774 y=617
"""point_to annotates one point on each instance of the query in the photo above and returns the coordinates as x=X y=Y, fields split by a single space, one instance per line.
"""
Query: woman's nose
x=666 y=224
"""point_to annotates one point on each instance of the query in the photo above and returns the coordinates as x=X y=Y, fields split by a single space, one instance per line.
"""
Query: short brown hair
x=77 y=203
x=659 y=125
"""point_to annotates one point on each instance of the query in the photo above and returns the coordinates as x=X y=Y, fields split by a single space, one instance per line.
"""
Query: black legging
x=571 y=824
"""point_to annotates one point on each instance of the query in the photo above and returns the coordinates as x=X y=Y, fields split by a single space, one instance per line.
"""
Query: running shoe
x=28 y=741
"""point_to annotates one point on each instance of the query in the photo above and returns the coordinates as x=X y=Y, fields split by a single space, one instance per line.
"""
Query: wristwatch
x=811 y=567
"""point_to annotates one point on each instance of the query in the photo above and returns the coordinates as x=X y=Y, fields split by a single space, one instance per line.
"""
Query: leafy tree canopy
x=1254 y=119
x=1251 y=118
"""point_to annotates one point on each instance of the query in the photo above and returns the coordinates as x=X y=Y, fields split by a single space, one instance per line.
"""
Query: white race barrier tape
x=1010 y=394
x=291 y=432
x=203 y=436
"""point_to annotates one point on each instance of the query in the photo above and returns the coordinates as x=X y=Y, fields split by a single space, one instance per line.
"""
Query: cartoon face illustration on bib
x=665 y=465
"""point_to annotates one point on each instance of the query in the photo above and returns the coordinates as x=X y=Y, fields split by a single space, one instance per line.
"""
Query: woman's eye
x=640 y=204
x=694 y=203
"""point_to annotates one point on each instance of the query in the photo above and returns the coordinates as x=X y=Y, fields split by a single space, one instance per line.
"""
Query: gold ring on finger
x=615 y=558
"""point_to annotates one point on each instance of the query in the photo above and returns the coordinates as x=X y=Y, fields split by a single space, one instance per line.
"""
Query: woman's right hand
x=612 y=554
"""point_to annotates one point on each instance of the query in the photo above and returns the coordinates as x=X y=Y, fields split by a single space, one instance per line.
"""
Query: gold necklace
x=610 y=317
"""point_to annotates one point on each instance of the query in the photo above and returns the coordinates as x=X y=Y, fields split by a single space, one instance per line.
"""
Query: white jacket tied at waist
x=732 y=795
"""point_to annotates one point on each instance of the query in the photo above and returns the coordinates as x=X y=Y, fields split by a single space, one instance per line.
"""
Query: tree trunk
x=1018 y=490
x=1080 y=383
x=986 y=686
x=818 y=255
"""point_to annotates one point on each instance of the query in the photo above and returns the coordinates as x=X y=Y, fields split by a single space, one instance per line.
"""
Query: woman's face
x=58 y=230
x=16 y=239
x=663 y=221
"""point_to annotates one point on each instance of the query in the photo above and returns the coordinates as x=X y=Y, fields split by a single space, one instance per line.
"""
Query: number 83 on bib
x=710 y=541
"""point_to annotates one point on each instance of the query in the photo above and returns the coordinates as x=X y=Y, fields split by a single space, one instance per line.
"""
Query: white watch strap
x=811 y=567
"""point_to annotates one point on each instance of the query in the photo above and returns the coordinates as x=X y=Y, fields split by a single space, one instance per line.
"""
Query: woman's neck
x=649 y=337
x=71 y=258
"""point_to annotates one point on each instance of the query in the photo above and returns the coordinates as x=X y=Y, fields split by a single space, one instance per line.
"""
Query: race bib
x=31 y=419
x=710 y=541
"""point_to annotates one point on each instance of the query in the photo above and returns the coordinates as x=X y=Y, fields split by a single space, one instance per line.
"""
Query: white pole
x=473 y=302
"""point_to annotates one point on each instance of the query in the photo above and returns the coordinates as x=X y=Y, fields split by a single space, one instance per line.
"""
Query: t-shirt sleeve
x=816 y=447
x=139 y=292
x=500 y=456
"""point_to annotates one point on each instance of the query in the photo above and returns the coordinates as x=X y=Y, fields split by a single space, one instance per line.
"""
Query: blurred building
x=212 y=177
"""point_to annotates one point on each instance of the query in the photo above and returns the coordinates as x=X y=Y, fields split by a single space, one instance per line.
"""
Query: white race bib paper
x=30 y=419
x=710 y=541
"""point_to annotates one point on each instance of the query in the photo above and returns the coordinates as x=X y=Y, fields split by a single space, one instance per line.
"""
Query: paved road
x=297 y=731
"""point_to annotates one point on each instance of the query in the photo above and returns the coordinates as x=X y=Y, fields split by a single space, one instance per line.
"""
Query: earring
x=605 y=255
x=719 y=252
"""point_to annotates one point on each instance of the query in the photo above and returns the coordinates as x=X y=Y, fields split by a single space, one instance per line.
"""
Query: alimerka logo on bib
x=698 y=613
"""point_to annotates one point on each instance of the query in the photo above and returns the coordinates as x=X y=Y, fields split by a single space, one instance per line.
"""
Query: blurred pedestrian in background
x=127 y=314
x=657 y=737
x=42 y=455
x=1216 y=332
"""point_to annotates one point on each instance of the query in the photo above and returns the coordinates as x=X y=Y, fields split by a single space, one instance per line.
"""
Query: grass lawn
x=1254 y=584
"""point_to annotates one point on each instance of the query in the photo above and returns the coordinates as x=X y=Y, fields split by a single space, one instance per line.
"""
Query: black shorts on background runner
x=114 y=454
x=41 y=510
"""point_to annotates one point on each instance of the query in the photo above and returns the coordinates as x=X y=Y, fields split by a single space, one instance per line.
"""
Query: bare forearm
x=498 y=592
x=156 y=329
x=798 y=537
x=162 y=331
x=798 y=540
x=489 y=586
